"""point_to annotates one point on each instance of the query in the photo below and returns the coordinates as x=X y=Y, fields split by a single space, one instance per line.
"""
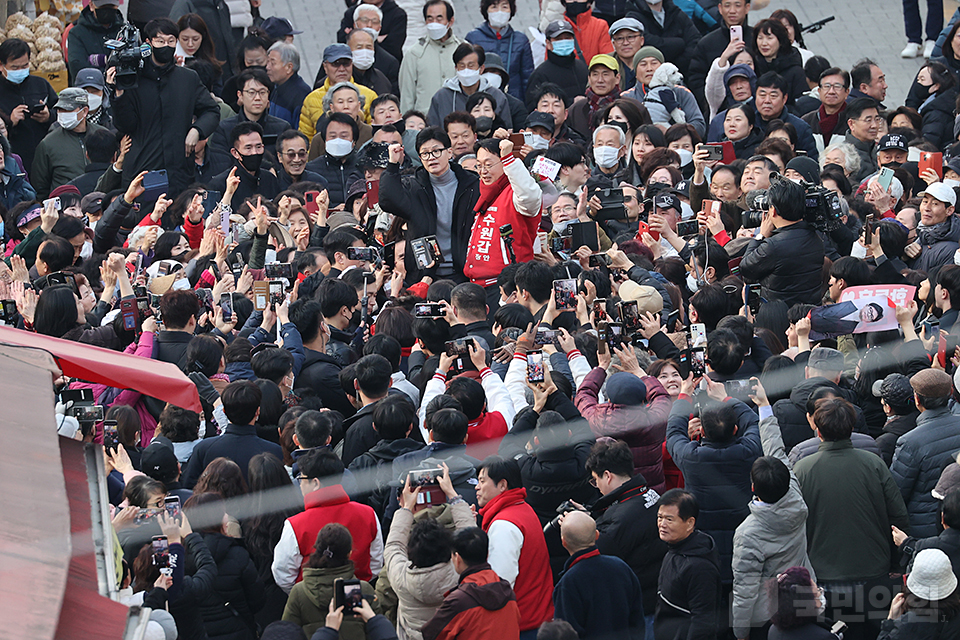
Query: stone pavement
x=863 y=28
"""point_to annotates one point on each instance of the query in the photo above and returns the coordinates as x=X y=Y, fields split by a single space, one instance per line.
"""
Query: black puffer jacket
x=87 y=37
x=321 y=372
x=689 y=589
x=788 y=264
x=789 y=65
x=675 y=36
x=190 y=586
x=237 y=592
x=937 y=125
x=373 y=470
x=938 y=243
x=413 y=199
x=895 y=427
x=339 y=174
x=627 y=522
x=791 y=413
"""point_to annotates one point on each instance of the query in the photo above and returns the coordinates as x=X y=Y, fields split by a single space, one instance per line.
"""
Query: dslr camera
x=565 y=507
x=127 y=54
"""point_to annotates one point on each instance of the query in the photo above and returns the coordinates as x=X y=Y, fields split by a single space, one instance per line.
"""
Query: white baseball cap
x=941 y=192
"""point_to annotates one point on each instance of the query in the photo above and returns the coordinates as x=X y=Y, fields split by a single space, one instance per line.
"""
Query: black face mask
x=251 y=162
x=484 y=124
x=163 y=55
x=107 y=15
x=576 y=8
x=892 y=164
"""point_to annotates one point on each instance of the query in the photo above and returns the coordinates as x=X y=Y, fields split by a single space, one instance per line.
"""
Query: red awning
x=161 y=380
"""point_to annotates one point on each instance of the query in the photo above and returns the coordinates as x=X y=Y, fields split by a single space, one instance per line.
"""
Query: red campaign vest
x=534 y=584
x=331 y=504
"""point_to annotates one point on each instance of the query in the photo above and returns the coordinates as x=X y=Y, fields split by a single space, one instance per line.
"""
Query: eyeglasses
x=301 y=478
x=871 y=120
x=486 y=168
x=345 y=62
x=568 y=209
x=256 y=93
x=593 y=481
x=832 y=86
x=433 y=154
x=290 y=155
x=625 y=39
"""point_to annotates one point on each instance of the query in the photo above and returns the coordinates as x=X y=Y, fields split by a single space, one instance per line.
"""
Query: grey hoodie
x=451 y=98
x=772 y=538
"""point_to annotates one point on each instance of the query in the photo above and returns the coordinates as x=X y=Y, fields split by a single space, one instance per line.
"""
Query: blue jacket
x=287 y=100
x=718 y=474
x=513 y=48
x=805 y=139
x=14 y=187
x=582 y=599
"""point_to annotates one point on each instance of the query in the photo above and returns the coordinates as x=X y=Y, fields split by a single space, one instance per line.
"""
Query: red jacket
x=592 y=34
x=193 y=231
x=643 y=427
x=331 y=504
x=481 y=607
x=534 y=583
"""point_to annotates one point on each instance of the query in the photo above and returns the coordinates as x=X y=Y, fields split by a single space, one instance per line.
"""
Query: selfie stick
x=363 y=300
x=506 y=236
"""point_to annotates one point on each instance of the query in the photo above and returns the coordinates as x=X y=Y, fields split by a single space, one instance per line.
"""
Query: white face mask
x=492 y=78
x=686 y=157
x=606 y=157
x=953 y=184
x=68 y=119
x=539 y=142
x=858 y=250
x=436 y=30
x=686 y=211
x=468 y=77
x=498 y=19
x=560 y=227
x=363 y=59
x=692 y=283
x=94 y=101
x=338 y=147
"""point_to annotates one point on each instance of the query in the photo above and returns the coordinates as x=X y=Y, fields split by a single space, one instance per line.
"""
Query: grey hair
x=851 y=157
x=367 y=30
x=610 y=127
x=288 y=54
x=328 y=96
x=366 y=7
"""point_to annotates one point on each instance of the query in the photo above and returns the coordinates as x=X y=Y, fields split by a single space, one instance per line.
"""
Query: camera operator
x=786 y=255
x=169 y=104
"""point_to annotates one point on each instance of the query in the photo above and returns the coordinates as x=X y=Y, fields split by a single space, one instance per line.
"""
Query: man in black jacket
x=563 y=68
x=896 y=398
x=626 y=516
x=732 y=13
x=338 y=302
x=179 y=310
x=28 y=99
x=437 y=201
x=469 y=304
x=292 y=150
x=98 y=22
x=247 y=151
x=392 y=25
x=166 y=115
x=372 y=384
x=320 y=371
x=786 y=257
x=338 y=164
x=672 y=32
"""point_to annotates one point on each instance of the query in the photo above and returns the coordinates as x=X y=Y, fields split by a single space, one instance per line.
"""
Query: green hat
x=647 y=52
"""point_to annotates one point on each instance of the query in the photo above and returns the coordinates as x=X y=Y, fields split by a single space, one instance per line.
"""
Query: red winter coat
x=481 y=607
x=642 y=427
x=592 y=34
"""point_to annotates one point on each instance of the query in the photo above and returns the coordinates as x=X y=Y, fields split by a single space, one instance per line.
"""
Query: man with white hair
x=609 y=159
x=885 y=200
x=389 y=21
x=289 y=89
x=362 y=43
x=369 y=16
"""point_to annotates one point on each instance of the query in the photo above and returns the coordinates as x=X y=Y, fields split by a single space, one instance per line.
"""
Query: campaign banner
x=863 y=309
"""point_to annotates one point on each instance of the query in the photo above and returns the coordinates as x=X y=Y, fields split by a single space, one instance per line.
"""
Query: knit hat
x=949 y=481
x=806 y=167
x=932 y=576
x=932 y=383
x=895 y=389
x=647 y=52
x=626 y=388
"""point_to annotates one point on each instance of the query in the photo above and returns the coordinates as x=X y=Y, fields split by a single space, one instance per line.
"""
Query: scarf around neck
x=596 y=103
x=490 y=192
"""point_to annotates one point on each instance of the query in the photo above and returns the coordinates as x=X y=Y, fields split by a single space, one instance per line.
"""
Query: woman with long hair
x=938 y=88
x=223 y=477
x=195 y=41
x=773 y=52
x=798 y=601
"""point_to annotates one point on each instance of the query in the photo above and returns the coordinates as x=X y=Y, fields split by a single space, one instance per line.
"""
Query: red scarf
x=828 y=123
x=596 y=103
x=490 y=192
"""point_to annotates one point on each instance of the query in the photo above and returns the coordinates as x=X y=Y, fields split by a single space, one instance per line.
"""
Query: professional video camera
x=823 y=209
x=127 y=54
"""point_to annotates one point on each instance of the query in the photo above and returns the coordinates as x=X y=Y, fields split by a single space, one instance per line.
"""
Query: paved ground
x=863 y=28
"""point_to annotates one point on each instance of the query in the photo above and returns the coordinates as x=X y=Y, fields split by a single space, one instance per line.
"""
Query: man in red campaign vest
x=508 y=195
x=518 y=550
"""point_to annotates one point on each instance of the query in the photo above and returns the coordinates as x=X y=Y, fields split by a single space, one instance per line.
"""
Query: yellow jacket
x=313 y=107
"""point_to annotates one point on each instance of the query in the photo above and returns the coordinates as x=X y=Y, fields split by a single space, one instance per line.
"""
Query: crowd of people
x=636 y=323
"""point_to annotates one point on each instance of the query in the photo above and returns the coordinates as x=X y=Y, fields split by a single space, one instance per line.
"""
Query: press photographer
x=157 y=116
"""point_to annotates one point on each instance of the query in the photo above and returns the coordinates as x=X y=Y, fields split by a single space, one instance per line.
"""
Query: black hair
x=440 y=290
x=257 y=75
x=566 y=154
x=933 y=403
x=315 y=428
x=835 y=418
x=160 y=26
x=67 y=227
x=854 y=271
x=430 y=544
x=101 y=145
x=373 y=375
x=56 y=311
x=243 y=129
x=685 y=502
x=386 y=346
x=718 y=421
x=306 y=315
x=770 y=478
x=432 y=333
x=711 y=304
x=470 y=394
x=725 y=352
x=951 y=509
x=485 y=6
x=335 y=294
x=271 y=408
x=458 y=117
x=56 y=252
x=434 y=133
x=430 y=3
x=471 y=298
x=204 y=354
x=535 y=278
x=448 y=425
x=13 y=48
x=178 y=424
x=321 y=464
x=499 y=468
x=272 y=364
x=506 y=280
x=787 y=198
x=614 y=456
x=893 y=238
x=773 y=80
x=949 y=279
x=857 y=106
x=557 y=630
x=241 y=400
x=337 y=241
x=940 y=75
x=711 y=254
x=342 y=118
x=394 y=417
x=472 y=545
x=290 y=134
x=466 y=49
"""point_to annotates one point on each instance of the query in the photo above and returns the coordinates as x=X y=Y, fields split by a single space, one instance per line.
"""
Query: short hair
x=257 y=75
x=203 y=354
x=447 y=425
x=321 y=464
x=386 y=346
x=773 y=27
x=12 y=49
x=342 y=118
x=57 y=252
x=932 y=403
x=471 y=298
x=681 y=130
x=836 y=71
x=458 y=117
x=506 y=280
x=787 y=198
x=373 y=375
x=337 y=241
x=551 y=89
x=241 y=401
x=394 y=416
x=315 y=428
x=500 y=468
x=535 y=278
x=472 y=545
x=272 y=364
x=366 y=7
x=466 y=49
x=432 y=333
x=382 y=98
x=433 y=133
x=856 y=107
x=485 y=6
x=711 y=254
x=814 y=67
x=621 y=134
x=949 y=278
x=725 y=352
x=470 y=394
x=244 y=129
x=951 y=509
x=862 y=73
x=160 y=26
x=306 y=315
x=854 y=271
x=140 y=489
x=711 y=304
x=566 y=154
x=773 y=80
x=557 y=630
x=288 y=54
x=718 y=421
x=430 y=3
x=685 y=502
x=341 y=86
x=513 y=315
x=834 y=418
x=770 y=478
x=177 y=306
x=101 y=145
x=430 y=544
x=335 y=294
x=178 y=424
x=614 y=456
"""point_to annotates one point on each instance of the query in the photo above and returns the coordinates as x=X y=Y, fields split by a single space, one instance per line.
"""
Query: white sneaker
x=912 y=50
x=928 y=48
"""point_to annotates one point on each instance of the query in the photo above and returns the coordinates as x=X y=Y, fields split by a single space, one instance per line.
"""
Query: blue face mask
x=563 y=47
x=16 y=76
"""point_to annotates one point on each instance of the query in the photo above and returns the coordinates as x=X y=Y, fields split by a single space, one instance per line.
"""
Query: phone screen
x=226 y=306
x=535 y=366
x=565 y=293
